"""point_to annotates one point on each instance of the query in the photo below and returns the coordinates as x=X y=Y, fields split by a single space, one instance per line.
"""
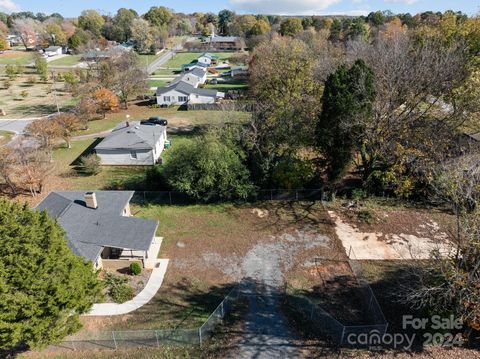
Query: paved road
x=16 y=126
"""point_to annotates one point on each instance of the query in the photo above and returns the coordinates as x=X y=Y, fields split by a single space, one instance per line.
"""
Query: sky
x=72 y=8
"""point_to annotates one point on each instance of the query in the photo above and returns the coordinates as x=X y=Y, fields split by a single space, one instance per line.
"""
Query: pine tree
x=43 y=285
x=346 y=110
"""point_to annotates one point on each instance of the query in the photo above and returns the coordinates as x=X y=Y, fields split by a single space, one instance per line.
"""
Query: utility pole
x=55 y=91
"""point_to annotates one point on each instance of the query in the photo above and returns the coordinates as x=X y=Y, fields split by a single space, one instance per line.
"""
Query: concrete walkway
x=153 y=285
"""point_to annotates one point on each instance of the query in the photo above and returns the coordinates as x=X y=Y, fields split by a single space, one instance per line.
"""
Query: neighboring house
x=13 y=40
x=232 y=43
x=182 y=93
x=53 y=51
x=100 y=55
x=207 y=59
x=99 y=227
x=132 y=144
x=194 y=65
x=195 y=77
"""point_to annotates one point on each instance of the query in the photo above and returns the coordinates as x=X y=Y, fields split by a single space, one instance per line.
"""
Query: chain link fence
x=117 y=339
x=340 y=333
x=178 y=198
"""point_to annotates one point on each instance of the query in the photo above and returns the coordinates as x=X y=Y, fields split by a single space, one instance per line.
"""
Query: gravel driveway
x=267 y=332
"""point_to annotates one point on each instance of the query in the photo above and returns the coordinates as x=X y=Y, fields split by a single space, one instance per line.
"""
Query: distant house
x=99 y=227
x=13 y=40
x=194 y=65
x=53 y=51
x=229 y=43
x=182 y=93
x=132 y=144
x=196 y=77
x=207 y=59
x=97 y=55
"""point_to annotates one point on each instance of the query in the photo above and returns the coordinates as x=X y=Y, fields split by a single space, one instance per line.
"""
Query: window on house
x=133 y=155
x=166 y=98
x=182 y=98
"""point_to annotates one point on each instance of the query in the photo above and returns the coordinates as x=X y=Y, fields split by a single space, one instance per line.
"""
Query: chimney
x=91 y=200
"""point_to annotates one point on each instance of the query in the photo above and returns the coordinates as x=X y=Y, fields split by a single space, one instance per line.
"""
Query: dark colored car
x=154 y=121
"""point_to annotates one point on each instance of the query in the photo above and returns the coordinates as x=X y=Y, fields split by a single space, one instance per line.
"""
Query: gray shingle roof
x=88 y=230
x=134 y=137
x=187 y=89
x=197 y=72
x=223 y=39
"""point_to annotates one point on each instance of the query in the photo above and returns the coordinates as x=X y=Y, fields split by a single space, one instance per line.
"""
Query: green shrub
x=365 y=216
x=135 y=268
x=121 y=293
x=90 y=164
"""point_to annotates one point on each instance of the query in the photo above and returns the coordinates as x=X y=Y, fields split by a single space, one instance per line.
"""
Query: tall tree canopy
x=43 y=285
x=346 y=107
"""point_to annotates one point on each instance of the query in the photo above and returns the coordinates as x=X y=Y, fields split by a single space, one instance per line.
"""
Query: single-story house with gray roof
x=182 y=93
x=132 y=144
x=195 y=77
x=98 y=227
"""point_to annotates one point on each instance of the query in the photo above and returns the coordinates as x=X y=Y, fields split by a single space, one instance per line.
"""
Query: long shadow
x=395 y=277
x=89 y=150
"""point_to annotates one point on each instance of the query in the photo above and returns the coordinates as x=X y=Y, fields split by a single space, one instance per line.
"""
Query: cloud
x=282 y=7
x=406 y=2
x=9 y=6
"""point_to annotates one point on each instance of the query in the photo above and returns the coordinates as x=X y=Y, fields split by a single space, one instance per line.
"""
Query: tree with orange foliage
x=67 y=123
x=106 y=100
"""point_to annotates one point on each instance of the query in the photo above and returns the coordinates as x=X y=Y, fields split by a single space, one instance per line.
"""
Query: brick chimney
x=91 y=200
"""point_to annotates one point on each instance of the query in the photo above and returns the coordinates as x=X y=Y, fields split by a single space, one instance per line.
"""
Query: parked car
x=154 y=121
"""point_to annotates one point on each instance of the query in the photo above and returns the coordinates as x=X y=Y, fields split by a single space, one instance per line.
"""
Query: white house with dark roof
x=132 y=144
x=182 y=92
x=206 y=59
x=99 y=227
x=195 y=77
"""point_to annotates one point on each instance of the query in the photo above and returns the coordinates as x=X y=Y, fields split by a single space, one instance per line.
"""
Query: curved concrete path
x=153 y=285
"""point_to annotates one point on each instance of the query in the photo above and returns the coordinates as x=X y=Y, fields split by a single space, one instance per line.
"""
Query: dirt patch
x=391 y=245
x=216 y=240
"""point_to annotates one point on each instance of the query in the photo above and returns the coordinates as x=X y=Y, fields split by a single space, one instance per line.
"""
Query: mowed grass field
x=16 y=58
x=174 y=65
x=69 y=60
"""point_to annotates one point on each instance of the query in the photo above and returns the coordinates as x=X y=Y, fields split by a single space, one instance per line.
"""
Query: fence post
x=170 y=195
x=296 y=195
x=271 y=195
x=200 y=335
x=144 y=197
x=114 y=340
x=343 y=334
x=156 y=337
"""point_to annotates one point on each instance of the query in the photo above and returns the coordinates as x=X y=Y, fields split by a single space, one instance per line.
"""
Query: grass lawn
x=175 y=117
x=157 y=83
x=110 y=177
x=69 y=60
x=39 y=99
x=5 y=137
x=16 y=58
x=174 y=65
x=205 y=245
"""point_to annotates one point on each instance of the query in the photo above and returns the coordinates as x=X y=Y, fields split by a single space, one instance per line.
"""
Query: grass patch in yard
x=69 y=60
x=175 y=63
x=5 y=137
x=16 y=58
x=175 y=118
x=157 y=83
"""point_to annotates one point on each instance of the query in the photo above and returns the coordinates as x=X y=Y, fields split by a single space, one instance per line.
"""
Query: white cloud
x=9 y=6
x=348 y=13
x=406 y=2
x=282 y=7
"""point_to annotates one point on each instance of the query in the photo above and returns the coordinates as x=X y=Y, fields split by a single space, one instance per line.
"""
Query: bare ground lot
x=206 y=246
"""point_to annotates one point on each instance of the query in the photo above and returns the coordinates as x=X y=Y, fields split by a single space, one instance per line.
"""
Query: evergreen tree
x=346 y=109
x=43 y=285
